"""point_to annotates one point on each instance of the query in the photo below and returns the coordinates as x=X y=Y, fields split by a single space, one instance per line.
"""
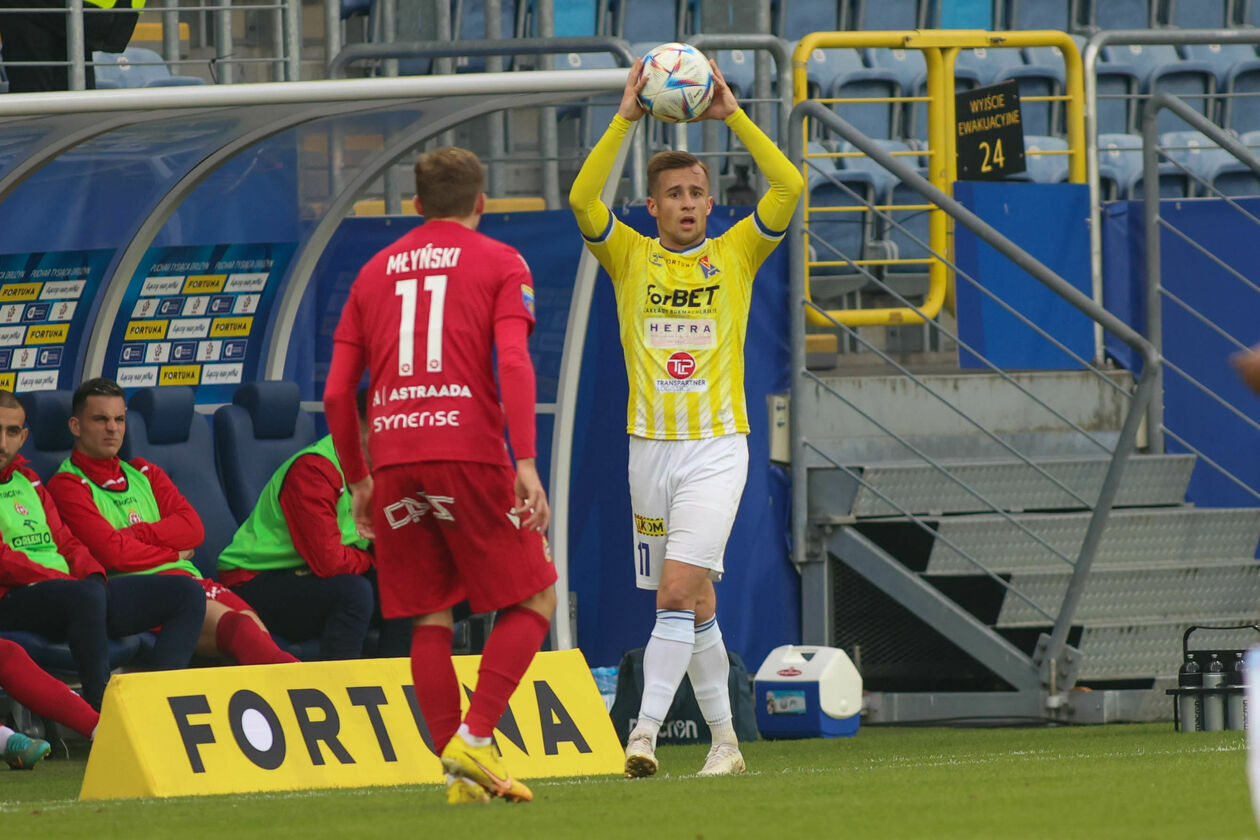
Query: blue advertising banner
x=45 y=300
x=196 y=315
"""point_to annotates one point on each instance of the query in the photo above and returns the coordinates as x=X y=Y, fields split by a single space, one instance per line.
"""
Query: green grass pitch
x=1134 y=781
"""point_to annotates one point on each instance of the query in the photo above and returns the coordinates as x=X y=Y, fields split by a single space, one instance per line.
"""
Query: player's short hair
x=665 y=161
x=8 y=399
x=98 y=387
x=448 y=181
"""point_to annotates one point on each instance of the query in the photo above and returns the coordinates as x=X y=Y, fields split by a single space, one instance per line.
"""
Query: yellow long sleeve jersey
x=684 y=315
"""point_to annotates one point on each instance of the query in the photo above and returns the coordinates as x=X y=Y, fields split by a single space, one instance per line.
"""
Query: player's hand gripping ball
x=679 y=83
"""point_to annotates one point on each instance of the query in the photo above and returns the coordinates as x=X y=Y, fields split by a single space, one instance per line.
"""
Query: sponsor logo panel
x=246 y=305
x=63 y=310
x=146 y=307
x=63 y=290
x=190 y=328
x=225 y=327
x=246 y=283
x=8 y=381
x=145 y=330
x=180 y=375
x=680 y=333
x=154 y=286
x=37 y=381
x=649 y=526
x=49 y=357
x=212 y=374
x=209 y=351
x=137 y=377
x=47 y=334
x=157 y=352
x=11 y=313
x=195 y=306
x=24 y=358
x=203 y=283
x=36 y=312
x=20 y=291
x=12 y=336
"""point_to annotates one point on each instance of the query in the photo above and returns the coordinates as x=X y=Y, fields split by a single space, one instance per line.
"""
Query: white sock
x=472 y=740
x=709 y=670
x=664 y=663
x=5 y=732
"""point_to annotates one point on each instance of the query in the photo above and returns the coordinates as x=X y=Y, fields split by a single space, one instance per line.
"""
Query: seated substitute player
x=683 y=301
x=300 y=561
x=52 y=585
x=46 y=696
x=450 y=517
x=136 y=523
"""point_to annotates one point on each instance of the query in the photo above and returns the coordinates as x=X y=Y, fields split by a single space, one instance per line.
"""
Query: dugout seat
x=253 y=436
x=49 y=442
x=164 y=427
x=137 y=67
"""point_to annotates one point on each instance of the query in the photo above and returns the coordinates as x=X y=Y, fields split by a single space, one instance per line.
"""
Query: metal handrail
x=1089 y=59
x=1154 y=271
x=1054 y=647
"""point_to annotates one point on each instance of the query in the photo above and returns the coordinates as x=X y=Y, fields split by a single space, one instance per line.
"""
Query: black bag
x=684 y=724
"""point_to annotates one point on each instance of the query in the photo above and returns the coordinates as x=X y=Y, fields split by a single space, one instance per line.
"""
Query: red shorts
x=216 y=591
x=443 y=534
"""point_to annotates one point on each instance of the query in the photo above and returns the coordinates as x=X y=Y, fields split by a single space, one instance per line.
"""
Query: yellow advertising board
x=352 y=723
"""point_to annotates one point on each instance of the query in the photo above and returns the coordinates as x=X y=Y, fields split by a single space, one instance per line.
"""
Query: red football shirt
x=423 y=312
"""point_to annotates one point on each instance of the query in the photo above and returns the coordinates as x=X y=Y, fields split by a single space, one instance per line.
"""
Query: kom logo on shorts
x=681 y=365
x=649 y=526
x=410 y=509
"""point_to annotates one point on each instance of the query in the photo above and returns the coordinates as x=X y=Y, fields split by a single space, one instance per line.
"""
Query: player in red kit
x=450 y=517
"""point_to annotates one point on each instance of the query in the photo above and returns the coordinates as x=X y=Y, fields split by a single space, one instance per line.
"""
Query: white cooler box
x=808 y=691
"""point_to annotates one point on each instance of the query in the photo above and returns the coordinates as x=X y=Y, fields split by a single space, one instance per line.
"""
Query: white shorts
x=684 y=494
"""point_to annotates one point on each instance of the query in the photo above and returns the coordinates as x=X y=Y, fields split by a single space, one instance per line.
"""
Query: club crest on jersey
x=21 y=509
x=133 y=518
x=527 y=298
x=708 y=268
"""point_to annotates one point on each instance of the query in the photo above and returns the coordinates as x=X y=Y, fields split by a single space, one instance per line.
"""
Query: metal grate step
x=1140 y=595
x=1160 y=535
x=1142 y=650
x=1012 y=485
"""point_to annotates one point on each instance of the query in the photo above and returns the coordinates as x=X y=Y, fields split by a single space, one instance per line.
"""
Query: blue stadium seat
x=1117 y=85
x=49 y=442
x=989 y=65
x=1198 y=14
x=1242 y=105
x=253 y=436
x=1119 y=164
x=1222 y=58
x=881 y=179
x=657 y=21
x=841 y=74
x=887 y=14
x=713 y=17
x=1122 y=14
x=739 y=69
x=840 y=234
x=1044 y=169
x=164 y=427
x=795 y=19
x=915 y=222
x=137 y=67
x=1042 y=14
x=1235 y=178
x=1197 y=153
x=910 y=69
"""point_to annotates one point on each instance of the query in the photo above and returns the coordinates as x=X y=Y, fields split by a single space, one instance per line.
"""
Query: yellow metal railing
x=940 y=50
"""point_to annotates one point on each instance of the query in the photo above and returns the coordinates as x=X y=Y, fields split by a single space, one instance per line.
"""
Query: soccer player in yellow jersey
x=682 y=301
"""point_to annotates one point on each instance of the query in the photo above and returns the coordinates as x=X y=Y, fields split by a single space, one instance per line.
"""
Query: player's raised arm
x=593 y=216
x=774 y=210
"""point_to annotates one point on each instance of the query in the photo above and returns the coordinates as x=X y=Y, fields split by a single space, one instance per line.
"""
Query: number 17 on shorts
x=649 y=550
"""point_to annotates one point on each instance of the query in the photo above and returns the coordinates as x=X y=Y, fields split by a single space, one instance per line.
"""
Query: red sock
x=42 y=693
x=518 y=633
x=240 y=637
x=437 y=687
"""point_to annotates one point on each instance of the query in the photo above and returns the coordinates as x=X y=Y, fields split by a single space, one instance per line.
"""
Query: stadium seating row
x=667 y=20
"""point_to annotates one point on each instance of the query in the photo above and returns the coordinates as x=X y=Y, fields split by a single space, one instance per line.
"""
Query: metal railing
x=286 y=38
x=1053 y=647
x=1155 y=292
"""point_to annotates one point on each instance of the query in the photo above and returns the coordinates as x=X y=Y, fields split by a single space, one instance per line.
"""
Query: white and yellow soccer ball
x=679 y=83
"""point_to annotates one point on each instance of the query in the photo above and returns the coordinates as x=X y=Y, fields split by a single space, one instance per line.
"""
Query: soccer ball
x=679 y=83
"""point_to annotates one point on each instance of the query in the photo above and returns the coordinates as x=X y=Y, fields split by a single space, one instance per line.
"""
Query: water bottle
x=1236 y=704
x=1214 y=701
x=1190 y=704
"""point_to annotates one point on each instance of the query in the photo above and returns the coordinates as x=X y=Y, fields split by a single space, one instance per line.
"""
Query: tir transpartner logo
x=681 y=367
